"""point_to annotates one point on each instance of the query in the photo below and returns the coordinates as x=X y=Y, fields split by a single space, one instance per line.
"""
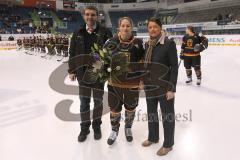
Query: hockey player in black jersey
x=51 y=45
x=65 y=44
x=19 y=43
x=58 y=44
x=192 y=45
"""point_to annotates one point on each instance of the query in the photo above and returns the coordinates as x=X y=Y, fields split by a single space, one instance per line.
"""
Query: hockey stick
x=44 y=56
x=65 y=61
x=28 y=52
x=179 y=63
x=60 y=59
x=59 y=55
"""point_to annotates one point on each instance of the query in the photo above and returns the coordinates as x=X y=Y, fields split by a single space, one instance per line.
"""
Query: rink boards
x=214 y=40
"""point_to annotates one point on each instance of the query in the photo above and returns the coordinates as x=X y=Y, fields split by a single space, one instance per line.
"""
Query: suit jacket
x=165 y=55
x=77 y=47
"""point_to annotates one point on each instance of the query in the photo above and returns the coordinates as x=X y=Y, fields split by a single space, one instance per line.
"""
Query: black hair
x=91 y=8
x=156 y=20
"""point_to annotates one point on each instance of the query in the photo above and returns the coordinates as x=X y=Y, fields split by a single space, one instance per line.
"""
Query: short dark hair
x=191 y=28
x=156 y=20
x=91 y=8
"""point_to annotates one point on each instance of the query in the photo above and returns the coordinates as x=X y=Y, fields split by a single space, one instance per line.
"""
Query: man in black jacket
x=162 y=62
x=81 y=42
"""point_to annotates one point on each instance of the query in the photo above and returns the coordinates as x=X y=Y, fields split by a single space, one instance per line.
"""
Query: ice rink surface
x=30 y=129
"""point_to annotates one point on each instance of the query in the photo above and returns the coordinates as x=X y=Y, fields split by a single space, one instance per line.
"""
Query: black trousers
x=167 y=117
x=85 y=93
x=117 y=97
x=190 y=62
x=194 y=62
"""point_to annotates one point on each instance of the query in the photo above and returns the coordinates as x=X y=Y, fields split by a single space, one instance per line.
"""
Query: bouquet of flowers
x=106 y=64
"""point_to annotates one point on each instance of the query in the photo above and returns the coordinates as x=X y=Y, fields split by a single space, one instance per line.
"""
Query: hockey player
x=19 y=43
x=192 y=45
x=58 y=44
x=51 y=46
x=41 y=44
x=31 y=42
x=37 y=44
x=25 y=43
x=65 y=44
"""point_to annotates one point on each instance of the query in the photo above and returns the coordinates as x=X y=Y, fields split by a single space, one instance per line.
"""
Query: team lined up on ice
x=51 y=45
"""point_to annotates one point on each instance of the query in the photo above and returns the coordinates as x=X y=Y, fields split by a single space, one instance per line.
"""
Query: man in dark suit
x=161 y=51
x=81 y=42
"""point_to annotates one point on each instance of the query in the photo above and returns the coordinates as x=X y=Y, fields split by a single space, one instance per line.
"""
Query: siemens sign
x=217 y=40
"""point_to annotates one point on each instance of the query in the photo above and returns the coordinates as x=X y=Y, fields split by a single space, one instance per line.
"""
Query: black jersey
x=65 y=41
x=32 y=41
x=188 y=43
x=58 y=41
x=123 y=53
x=19 y=42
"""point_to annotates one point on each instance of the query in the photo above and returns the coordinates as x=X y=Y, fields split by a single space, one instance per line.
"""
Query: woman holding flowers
x=122 y=83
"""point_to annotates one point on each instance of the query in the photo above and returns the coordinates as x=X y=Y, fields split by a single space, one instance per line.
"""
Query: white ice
x=30 y=130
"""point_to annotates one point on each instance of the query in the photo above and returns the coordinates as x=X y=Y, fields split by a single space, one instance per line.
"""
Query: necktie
x=90 y=30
